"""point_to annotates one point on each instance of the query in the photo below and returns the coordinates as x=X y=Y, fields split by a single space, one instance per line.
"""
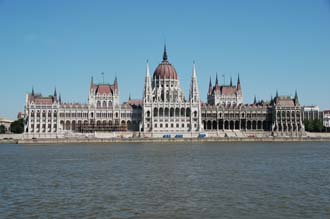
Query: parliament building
x=164 y=110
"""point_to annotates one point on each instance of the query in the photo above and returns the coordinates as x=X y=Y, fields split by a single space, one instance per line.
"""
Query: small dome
x=165 y=70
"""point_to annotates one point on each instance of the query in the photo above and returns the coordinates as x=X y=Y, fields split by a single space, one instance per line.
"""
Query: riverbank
x=160 y=141
x=86 y=139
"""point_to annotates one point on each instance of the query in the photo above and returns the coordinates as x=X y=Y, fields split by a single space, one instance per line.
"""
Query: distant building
x=312 y=113
x=326 y=118
x=20 y=115
x=5 y=122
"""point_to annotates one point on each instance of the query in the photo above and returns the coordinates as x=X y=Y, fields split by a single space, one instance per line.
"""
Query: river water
x=250 y=180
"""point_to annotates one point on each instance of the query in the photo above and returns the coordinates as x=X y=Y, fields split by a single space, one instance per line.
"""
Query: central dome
x=165 y=70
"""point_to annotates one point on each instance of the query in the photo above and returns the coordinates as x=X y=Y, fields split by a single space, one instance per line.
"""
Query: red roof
x=165 y=71
x=228 y=90
x=40 y=100
x=104 y=89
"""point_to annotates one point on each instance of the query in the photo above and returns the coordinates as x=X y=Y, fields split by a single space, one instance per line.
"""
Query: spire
x=147 y=96
x=55 y=93
x=92 y=82
x=231 y=81
x=255 y=100
x=147 y=70
x=116 y=81
x=32 y=93
x=194 y=70
x=59 y=98
x=296 y=99
x=165 y=53
x=210 y=86
x=238 y=83
x=194 y=92
x=276 y=94
x=216 y=79
x=129 y=96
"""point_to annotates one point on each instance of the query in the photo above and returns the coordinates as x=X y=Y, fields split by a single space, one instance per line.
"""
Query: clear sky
x=272 y=44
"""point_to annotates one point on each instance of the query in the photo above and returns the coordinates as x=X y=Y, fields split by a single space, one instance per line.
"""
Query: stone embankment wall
x=134 y=137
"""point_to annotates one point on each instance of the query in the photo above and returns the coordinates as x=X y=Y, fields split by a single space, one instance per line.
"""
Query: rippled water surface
x=165 y=181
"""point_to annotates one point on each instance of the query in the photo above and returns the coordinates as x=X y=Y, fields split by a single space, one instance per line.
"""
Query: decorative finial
x=32 y=93
x=231 y=81
x=55 y=93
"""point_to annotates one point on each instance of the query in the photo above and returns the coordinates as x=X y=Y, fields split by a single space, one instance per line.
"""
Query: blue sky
x=272 y=44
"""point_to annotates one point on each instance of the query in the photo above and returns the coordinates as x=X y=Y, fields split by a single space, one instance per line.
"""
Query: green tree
x=307 y=124
x=2 y=129
x=317 y=125
x=17 y=126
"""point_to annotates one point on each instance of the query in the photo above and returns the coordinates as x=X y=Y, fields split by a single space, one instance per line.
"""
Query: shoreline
x=160 y=140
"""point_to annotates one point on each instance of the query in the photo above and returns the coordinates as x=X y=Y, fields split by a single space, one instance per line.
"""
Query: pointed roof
x=55 y=93
x=32 y=92
x=216 y=79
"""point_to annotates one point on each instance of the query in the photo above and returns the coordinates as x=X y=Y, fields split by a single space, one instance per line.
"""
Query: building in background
x=312 y=113
x=326 y=119
x=6 y=123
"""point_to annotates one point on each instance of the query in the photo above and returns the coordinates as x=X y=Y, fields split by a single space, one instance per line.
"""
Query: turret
x=147 y=85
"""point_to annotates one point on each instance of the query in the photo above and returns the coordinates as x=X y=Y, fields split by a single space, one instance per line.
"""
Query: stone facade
x=164 y=109
x=102 y=113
